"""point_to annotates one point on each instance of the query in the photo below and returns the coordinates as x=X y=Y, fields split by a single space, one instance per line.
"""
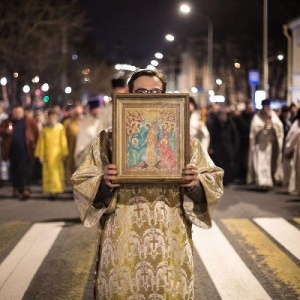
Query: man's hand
x=190 y=173
x=111 y=174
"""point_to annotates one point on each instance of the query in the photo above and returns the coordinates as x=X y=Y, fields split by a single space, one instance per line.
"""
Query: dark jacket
x=31 y=136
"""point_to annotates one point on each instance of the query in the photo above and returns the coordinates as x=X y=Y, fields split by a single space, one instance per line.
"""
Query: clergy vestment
x=292 y=151
x=265 y=151
x=52 y=147
x=145 y=240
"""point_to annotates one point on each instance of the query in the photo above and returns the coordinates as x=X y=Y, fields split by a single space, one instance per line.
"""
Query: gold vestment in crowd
x=145 y=245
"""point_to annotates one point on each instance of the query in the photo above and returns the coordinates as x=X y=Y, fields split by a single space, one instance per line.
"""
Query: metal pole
x=265 y=50
x=210 y=42
x=289 y=64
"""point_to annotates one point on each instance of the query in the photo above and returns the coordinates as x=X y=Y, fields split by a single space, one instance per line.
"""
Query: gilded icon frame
x=150 y=137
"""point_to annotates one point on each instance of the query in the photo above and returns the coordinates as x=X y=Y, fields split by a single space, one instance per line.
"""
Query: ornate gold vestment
x=145 y=246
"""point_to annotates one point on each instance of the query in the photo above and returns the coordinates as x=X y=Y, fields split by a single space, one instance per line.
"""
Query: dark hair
x=118 y=82
x=298 y=114
x=192 y=101
x=150 y=73
x=52 y=111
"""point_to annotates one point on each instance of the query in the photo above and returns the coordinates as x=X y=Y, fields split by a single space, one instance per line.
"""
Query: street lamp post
x=265 y=50
x=185 y=8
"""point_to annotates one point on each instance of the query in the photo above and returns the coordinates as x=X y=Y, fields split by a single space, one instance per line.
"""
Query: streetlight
x=170 y=37
x=265 y=49
x=186 y=9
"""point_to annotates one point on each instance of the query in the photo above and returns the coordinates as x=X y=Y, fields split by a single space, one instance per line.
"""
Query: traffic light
x=46 y=98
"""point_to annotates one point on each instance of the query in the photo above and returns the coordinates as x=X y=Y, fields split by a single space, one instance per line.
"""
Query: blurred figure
x=293 y=112
x=243 y=122
x=19 y=138
x=71 y=124
x=37 y=167
x=224 y=145
x=285 y=119
x=29 y=111
x=89 y=127
x=51 y=149
x=211 y=117
x=118 y=86
x=198 y=128
x=265 y=152
x=292 y=155
x=4 y=165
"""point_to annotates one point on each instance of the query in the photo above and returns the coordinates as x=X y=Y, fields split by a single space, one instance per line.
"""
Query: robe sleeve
x=211 y=178
x=86 y=181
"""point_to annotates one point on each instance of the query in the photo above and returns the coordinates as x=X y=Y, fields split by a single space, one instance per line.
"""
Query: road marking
x=297 y=220
x=275 y=264
x=231 y=277
x=283 y=232
x=20 y=266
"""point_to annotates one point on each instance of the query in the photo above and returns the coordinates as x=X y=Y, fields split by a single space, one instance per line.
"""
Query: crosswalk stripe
x=297 y=220
x=19 y=267
x=274 y=263
x=225 y=266
x=283 y=232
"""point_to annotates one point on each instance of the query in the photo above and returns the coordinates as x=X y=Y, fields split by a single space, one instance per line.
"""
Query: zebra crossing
x=251 y=259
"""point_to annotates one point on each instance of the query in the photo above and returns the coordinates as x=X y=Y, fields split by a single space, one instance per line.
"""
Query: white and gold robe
x=265 y=152
x=292 y=152
x=145 y=245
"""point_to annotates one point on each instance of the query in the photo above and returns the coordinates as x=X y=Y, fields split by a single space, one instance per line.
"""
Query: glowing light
x=16 y=74
x=158 y=55
x=170 y=37
x=35 y=79
x=219 y=81
x=280 y=57
x=68 y=90
x=237 y=65
x=3 y=81
x=151 y=67
x=45 y=87
x=185 y=8
x=26 y=88
x=194 y=90
x=154 y=63
x=217 y=98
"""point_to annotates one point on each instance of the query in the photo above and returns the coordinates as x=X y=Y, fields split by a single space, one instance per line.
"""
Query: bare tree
x=35 y=35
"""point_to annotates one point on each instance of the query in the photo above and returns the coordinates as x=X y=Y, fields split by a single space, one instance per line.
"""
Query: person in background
x=89 y=126
x=51 y=150
x=198 y=128
x=285 y=119
x=265 y=149
x=292 y=155
x=224 y=145
x=118 y=86
x=29 y=111
x=145 y=227
x=4 y=165
x=292 y=112
x=19 y=137
x=37 y=167
x=71 y=124
x=243 y=123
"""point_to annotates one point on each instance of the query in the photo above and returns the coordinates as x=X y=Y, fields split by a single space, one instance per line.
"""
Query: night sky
x=132 y=31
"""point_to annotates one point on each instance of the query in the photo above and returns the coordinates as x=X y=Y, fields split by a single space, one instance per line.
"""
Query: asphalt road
x=251 y=251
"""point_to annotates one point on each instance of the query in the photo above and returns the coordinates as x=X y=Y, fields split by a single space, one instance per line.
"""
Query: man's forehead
x=146 y=81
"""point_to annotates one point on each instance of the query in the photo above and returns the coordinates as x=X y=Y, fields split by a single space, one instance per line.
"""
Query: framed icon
x=150 y=137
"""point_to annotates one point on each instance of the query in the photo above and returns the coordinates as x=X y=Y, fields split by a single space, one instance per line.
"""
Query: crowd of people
x=260 y=148
x=145 y=228
x=46 y=145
